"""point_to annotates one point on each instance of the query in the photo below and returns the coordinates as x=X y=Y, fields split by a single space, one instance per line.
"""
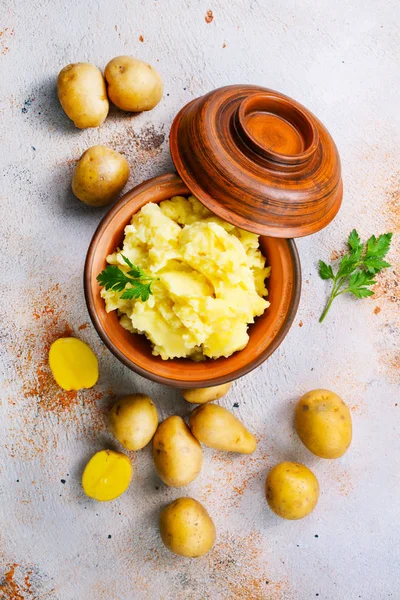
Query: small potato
x=73 y=364
x=107 y=475
x=203 y=395
x=186 y=528
x=292 y=490
x=99 y=176
x=177 y=454
x=133 y=85
x=323 y=423
x=82 y=93
x=133 y=421
x=217 y=428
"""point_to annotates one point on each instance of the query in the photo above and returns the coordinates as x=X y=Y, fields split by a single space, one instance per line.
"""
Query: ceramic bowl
x=135 y=350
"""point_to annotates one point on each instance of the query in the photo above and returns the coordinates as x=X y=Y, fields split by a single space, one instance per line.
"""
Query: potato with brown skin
x=177 y=454
x=203 y=395
x=133 y=85
x=292 y=490
x=82 y=93
x=99 y=176
x=133 y=421
x=218 y=428
x=323 y=423
x=186 y=528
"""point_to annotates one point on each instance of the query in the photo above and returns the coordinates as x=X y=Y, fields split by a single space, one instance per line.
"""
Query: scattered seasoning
x=63 y=481
x=300 y=323
x=316 y=535
x=236 y=405
x=141 y=38
x=109 y=537
x=33 y=147
x=83 y=326
x=224 y=45
x=209 y=16
x=377 y=310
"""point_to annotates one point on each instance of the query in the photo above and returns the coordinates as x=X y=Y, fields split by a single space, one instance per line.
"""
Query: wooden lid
x=259 y=160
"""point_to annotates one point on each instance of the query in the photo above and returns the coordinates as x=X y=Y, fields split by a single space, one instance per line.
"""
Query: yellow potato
x=73 y=364
x=186 y=528
x=82 y=93
x=133 y=85
x=99 y=176
x=216 y=427
x=292 y=490
x=203 y=395
x=177 y=454
x=133 y=421
x=323 y=423
x=107 y=475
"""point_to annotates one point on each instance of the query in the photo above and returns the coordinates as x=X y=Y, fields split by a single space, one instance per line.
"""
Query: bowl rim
x=257 y=361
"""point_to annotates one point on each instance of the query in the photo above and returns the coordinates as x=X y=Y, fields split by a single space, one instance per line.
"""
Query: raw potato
x=107 y=475
x=73 y=364
x=133 y=421
x=292 y=490
x=186 y=528
x=99 y=176
x=82 y=93
x=323 y=422
x=177 y=454
x=218 y=428
x=133 y=85
x=203 y=395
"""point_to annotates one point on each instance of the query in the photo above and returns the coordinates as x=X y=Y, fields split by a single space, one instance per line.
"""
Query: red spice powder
x=209 y=16
x=11 y=589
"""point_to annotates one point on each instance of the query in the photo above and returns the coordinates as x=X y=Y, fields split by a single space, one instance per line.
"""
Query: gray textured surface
x=341 y=59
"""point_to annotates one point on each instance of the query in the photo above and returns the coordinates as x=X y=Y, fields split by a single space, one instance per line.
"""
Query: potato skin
x=133 y=85
x=218 y=428
x=82 y=93
x=186 y=528
x=178 y=457
x=99 y=176
x=323 y=423
x=133 y=421
x=203 y=395
x=292 y=490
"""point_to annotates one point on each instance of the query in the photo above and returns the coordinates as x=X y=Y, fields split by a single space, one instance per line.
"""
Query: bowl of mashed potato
x=222 y=299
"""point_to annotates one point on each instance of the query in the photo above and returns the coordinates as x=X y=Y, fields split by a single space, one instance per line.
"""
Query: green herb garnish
x=138 y=282
x=357 y=268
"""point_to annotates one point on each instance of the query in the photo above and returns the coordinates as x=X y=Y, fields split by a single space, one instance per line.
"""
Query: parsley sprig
x=357 y=268
x=114 y=278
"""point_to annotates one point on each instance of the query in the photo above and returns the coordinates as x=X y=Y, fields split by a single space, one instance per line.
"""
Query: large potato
x=323 y=423
x=133 y=85
x=218 y=428
x=99 y=176
x=186 y=528
x=82 y=93
x=177 y=454
x=133 y=421
x=203 y=395
x=292 y=490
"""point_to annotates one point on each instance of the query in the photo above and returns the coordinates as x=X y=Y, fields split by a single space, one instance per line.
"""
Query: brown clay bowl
x=134 y=350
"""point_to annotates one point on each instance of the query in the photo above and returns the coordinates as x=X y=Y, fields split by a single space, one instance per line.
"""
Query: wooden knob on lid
x=275 y=129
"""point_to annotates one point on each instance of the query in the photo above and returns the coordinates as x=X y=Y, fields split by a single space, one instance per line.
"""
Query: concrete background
x=341 y=59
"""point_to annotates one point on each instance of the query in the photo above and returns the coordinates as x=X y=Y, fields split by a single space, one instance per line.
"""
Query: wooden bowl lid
x=259 y=160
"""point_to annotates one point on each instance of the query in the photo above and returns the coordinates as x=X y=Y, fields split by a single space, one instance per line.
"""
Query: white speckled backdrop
x=342 y=60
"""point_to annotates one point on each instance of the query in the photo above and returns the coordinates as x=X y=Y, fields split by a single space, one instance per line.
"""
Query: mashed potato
x=210 y=280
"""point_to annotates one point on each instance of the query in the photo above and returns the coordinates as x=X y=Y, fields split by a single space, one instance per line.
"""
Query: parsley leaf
x=357 y=268
x=135 y=283
x=325 y=271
